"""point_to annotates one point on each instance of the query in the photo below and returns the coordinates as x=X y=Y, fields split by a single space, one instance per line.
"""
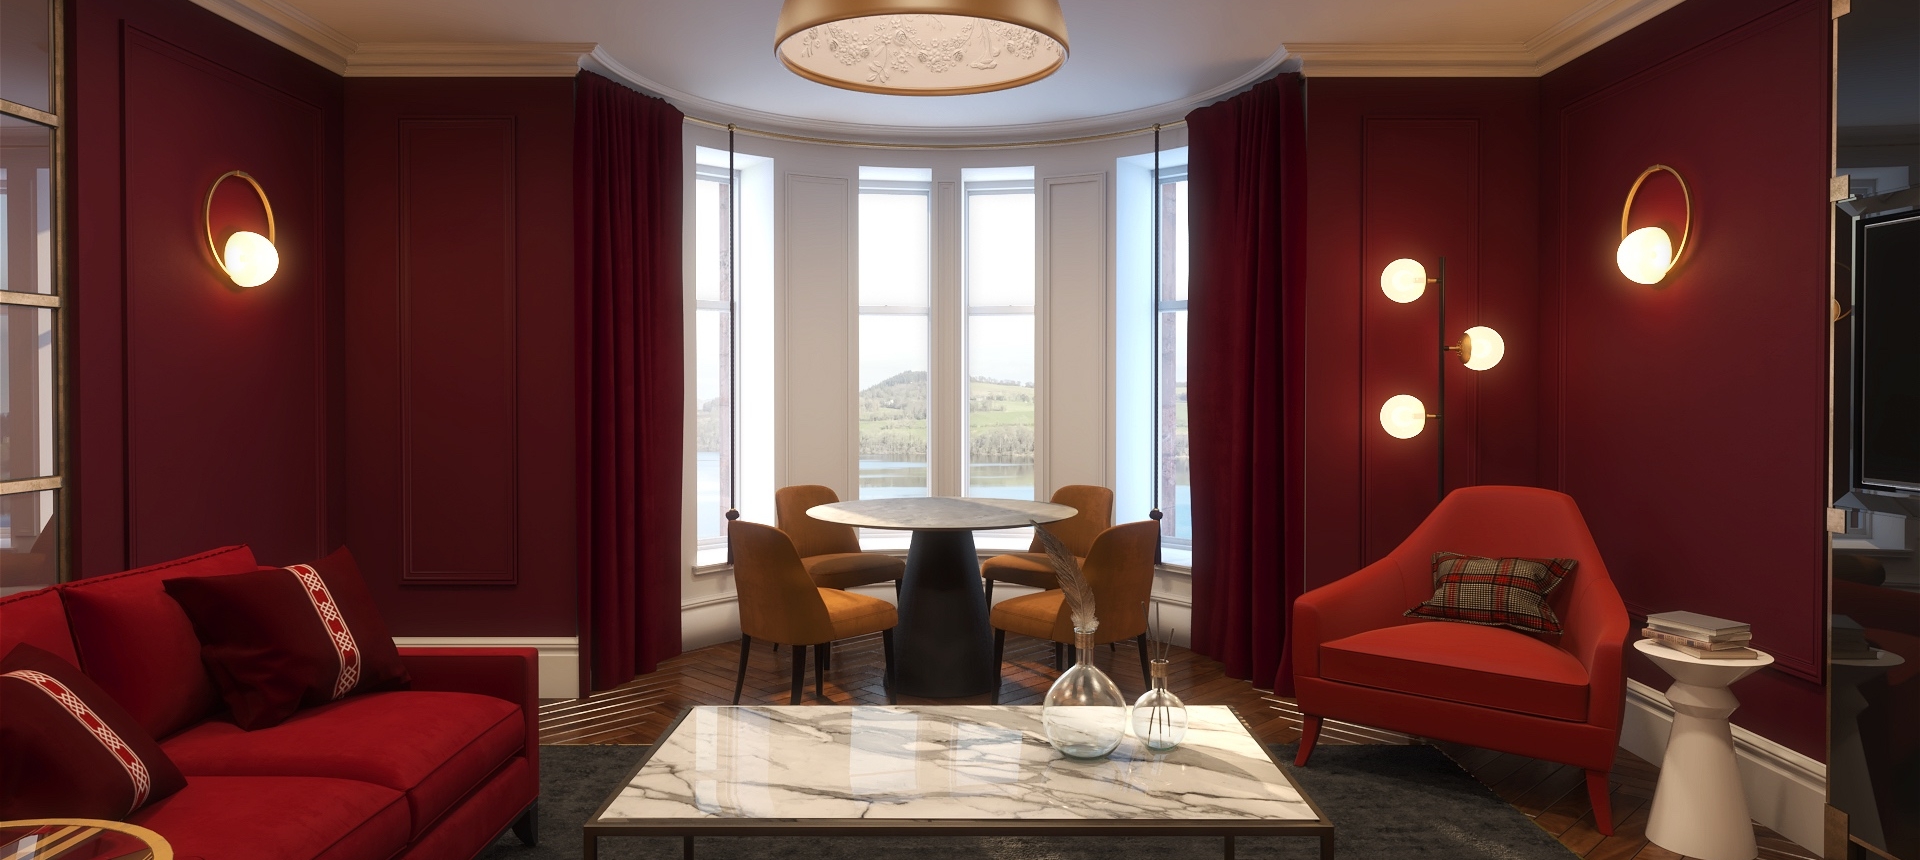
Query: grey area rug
x=1386 y=803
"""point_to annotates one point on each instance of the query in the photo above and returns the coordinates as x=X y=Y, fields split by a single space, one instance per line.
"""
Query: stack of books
x=1702 y=636
x=1850 y=641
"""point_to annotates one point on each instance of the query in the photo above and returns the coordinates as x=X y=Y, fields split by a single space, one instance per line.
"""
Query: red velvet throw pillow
x=1496 y=592
x=68 y=750
x=280 y=640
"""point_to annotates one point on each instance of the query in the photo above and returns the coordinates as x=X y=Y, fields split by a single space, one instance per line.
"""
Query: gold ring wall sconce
x=1646 y=255
x=250 y=259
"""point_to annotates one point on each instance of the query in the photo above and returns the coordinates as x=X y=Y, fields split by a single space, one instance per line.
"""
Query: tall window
x=896 y=303
x=31 y=465
x=730 y=217
x=1000 y=332
x=1150 y=357
x=1174 y=470
x=714 y=347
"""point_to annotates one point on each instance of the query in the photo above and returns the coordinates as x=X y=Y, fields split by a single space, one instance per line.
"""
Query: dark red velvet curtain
x=630 y=350
x=1247 y=169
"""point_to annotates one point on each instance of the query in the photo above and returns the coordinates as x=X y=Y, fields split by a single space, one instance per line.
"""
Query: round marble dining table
x=944 y=643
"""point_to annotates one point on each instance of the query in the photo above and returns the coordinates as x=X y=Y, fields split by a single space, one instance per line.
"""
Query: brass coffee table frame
x=690 y=828
x=76 y=832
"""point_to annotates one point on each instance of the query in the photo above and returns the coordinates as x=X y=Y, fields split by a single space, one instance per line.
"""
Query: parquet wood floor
x=1553 y=795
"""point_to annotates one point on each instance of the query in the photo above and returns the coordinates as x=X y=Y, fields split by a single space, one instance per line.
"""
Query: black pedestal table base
x=945 y=644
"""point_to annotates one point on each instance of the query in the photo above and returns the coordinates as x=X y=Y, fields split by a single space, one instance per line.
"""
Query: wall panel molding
x=459 y=468
x=255 y=412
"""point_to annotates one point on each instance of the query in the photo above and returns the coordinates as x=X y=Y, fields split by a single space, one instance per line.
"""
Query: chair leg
x=1059 y=657
x=820 y=653
x=799 y=673
x=989 y=588
x=886 y=649
x=1146 y=676
x=746 y=645
x=1597 y=792
x=1309 y=735
x=999 y=652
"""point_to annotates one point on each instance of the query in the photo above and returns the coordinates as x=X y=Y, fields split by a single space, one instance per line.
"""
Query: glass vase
x=1084 y=715
x=1159 y=717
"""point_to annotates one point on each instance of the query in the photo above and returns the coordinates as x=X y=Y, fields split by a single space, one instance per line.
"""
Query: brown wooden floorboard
x=1553 y=795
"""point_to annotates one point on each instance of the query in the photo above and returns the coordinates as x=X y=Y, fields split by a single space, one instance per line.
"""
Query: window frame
x=729 y=352
x=968 y=310
x=924 y=189
x=1166 y=304
x=53 y=301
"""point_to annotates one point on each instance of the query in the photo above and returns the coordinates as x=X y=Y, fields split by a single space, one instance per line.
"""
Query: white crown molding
x=1587 y=28
x=456 y=60
x=289 y=28
x=602 y=62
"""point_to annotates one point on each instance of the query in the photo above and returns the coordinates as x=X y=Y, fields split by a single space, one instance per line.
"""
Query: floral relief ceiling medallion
x=933 y=53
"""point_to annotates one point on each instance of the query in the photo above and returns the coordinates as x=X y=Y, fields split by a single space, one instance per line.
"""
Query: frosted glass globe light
x=250 y=259
x=1403 y=416
x=1482 y=348
x=1403 y=280
x=1645 y=255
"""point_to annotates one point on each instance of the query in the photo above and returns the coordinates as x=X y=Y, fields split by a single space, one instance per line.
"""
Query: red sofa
x=437 y=771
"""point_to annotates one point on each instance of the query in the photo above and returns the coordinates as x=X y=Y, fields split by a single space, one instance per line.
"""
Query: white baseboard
x=559 y=656
x=1786 y=790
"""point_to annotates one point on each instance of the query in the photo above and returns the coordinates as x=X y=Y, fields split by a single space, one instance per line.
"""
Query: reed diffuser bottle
x=1159 y=717
x=1083 y=712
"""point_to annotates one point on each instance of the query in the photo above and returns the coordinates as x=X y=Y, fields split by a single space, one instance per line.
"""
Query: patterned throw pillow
x=1497 y=592
x=280 y=640
x=68 y=750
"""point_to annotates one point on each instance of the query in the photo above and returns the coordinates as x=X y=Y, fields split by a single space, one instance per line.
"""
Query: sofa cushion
x=1491 y=667
x=37 y=618
x=67 y=750
x=1501 y=592
x=137 y=645
x=432 y=746
x=283 y=639
x=283 y=817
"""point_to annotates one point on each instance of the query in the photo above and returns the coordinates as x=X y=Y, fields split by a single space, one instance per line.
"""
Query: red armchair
x=1358 y=659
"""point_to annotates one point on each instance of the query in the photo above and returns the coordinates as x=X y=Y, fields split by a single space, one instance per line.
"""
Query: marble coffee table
x=979 y=770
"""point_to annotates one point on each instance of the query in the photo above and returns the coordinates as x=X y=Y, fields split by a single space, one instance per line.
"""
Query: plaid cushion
x=1497 y=592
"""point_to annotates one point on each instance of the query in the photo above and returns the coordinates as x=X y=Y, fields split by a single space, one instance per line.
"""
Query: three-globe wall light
x=921 y=47
x=250 y=259
x=1646 y=255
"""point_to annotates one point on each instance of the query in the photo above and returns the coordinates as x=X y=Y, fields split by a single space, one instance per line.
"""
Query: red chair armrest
x=512 y=674
x=1367 y=599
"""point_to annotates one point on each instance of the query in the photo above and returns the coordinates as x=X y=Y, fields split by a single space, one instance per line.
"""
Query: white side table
x=1699 y=808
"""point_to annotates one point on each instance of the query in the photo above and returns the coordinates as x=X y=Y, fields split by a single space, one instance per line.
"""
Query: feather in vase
x=1073 y=581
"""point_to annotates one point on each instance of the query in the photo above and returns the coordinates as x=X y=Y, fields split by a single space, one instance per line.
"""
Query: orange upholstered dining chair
x=780 y=603
x=831 y=551
x=1031 y=568
x=1119 y=566
x=1358 y=658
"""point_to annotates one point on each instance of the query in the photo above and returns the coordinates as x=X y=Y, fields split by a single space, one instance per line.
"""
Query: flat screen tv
x=1886 y=352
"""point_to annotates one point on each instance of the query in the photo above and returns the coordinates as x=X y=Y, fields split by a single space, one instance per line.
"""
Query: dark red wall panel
x=1423 y=169
x=459 y=353
x=1421 y=201
x=1689 y=419
x=457 y=290
x=205 y=414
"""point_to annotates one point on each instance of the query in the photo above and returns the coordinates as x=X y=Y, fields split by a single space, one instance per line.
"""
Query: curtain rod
x=776 y=135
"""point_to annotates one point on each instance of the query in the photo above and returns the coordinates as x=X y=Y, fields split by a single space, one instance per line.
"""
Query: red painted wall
x=459 y=352
x=1419 y=168
x=1689 y=419
x=204 y=414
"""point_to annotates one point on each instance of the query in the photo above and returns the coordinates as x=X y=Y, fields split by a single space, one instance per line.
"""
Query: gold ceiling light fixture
x=922 y=47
